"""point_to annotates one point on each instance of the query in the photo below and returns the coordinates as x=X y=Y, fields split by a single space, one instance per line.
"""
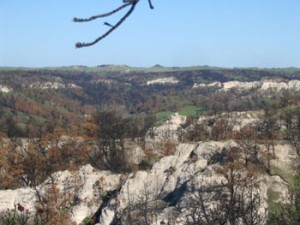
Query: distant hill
x=40 y=97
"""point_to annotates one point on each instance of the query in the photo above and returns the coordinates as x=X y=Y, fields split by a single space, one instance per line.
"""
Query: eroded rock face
x=165 y=80
x=170 y=183
x=94 y=184
x=56 y=83
x=86 y=186
x=5 y=89
x=172 y=179
x=237 y=120
x=261 y=86
x=170 y=130
x=210 y=85
x=240 y=85
x=10 y=198
x=47 y=85
x=133 y=152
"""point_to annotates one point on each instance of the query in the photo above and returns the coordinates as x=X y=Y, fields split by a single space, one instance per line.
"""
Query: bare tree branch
x=101 y=15
x=131 y=3
x=150 y=4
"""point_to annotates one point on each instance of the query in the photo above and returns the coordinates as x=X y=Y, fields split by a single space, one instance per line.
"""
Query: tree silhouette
x=126 y=3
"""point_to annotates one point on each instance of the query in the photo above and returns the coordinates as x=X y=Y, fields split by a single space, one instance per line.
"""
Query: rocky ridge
x=263 y=85
x=170 y=181
x=52 y=85
x=167 y=175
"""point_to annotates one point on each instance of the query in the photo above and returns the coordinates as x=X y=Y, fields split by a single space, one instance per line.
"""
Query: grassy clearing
x=163 y=116
x=189 y=111
x=186 y=111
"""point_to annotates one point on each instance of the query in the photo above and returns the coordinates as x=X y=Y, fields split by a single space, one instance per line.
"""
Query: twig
x=80 y=45
x=101 y=15
x=150 y=4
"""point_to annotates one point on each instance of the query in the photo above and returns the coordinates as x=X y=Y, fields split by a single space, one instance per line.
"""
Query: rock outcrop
x=165 y=80
x=169 y=185
x=5 y=89
x=261 y=86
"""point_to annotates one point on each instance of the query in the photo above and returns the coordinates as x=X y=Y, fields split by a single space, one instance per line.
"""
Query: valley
x=116 y=144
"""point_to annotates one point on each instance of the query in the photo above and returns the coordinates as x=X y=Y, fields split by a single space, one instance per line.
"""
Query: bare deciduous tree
x=292 y=122
x=235 y=200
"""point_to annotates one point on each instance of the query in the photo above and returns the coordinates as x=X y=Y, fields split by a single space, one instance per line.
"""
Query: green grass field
x=189 y=111
x=186 y=111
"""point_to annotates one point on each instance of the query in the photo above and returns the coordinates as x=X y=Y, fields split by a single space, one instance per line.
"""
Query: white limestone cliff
x=165 y=80
x=5 y=89
x=172 y=178
x=262 y=85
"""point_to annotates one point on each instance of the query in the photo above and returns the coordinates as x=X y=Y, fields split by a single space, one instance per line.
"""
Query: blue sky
x=227 y=33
